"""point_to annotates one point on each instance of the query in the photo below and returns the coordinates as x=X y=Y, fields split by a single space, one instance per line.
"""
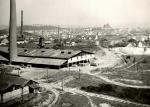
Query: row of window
x=81 y=56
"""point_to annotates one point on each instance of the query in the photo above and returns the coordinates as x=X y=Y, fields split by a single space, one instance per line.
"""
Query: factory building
x=50 y=58
x=37 y=57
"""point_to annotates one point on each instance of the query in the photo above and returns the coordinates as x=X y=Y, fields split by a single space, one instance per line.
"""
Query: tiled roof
x=8 y=80
x=11 y=79
x=4 y=85
x=49 y=53
x=42 y=56
x=44 y=61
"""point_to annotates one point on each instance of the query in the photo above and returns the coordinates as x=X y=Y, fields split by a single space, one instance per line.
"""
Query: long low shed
x=47 y=57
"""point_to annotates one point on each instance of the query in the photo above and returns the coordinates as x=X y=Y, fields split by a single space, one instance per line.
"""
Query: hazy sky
x=80 y=12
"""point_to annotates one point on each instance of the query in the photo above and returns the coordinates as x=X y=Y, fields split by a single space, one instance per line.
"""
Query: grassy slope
x=72 y=101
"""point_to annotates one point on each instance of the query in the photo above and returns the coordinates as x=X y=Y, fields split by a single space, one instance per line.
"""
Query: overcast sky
x=80 y=12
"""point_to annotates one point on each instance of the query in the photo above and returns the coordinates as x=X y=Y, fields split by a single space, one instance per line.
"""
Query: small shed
x=12 y=86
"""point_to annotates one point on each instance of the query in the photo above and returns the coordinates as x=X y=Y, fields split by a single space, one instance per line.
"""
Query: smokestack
x=58 y=34
x=21 y=32
x=12 y=32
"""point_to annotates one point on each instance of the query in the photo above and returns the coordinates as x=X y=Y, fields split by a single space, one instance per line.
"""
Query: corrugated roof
x=8 y=80
x=47 y=61
x=14 y=80
x=44 y=61
x=43 y=56
x=3 y=58
x=23 y=59
x=4 y=49
x=32 y=60
x=4 y=85
x=51 y=53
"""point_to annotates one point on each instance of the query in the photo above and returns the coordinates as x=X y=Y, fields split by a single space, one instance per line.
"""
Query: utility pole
x=141 y=71
x=42 y=32
x=79 y=73
x=18 y=72
x=68 y=67
x=58 y=34
x=34 y=28
x=62 y=84
x=134 y=61
x=137 y=67
x=47 y=74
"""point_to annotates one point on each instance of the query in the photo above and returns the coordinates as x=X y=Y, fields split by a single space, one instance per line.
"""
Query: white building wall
x=133 y=50
x=14 y=94
x=81 y=58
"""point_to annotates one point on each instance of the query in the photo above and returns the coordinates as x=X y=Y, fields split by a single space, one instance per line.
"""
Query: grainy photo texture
x=74 y=53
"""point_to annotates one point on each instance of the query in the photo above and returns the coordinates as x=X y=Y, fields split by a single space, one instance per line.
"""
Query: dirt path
x=121 y=84
x=113 y=60
x=109 y=60
x=58 y=85
x=54 y=86
x=49 y=87
x=109 y=98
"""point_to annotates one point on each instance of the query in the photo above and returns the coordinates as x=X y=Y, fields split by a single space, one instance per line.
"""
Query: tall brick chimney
x=12 y=32
x=21 y=32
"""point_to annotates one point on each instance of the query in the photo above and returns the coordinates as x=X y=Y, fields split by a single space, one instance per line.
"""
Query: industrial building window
x=62 y=52
x=25 y=50
x=69 y=52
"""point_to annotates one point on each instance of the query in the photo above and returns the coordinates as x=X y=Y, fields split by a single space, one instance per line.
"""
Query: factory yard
x=78 y=63
x=68 y=85
x=57 y=80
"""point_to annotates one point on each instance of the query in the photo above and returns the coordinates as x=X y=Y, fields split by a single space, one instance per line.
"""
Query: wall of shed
x=14 y=94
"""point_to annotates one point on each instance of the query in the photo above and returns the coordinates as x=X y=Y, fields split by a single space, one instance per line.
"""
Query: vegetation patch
x=132 y=94
x=70 y=100
x=58 y=76
x=142 y=76
x=128 y=81
x=84 y=80
x=95 y=70
x=97 y=101
x=28 y=100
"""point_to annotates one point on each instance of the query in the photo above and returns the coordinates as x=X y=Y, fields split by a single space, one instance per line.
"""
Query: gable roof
x=14 y=80
x=43 y=61
x=46 y=53
x=4 y=85
x=7 y=81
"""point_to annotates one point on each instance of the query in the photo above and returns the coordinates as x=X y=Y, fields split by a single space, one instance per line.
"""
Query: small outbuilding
x=12 y=86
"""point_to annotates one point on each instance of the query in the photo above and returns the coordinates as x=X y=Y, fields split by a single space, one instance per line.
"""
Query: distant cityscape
x=58 y=38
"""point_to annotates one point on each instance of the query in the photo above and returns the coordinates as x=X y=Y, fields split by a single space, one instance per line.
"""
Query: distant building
x=21 y=40
x=140 y=44
x=4 y=41
x=97 y=43
x=107 y=26
x=131 y=44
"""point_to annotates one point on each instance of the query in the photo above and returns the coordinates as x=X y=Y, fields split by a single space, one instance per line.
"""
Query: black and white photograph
x=74 y=53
